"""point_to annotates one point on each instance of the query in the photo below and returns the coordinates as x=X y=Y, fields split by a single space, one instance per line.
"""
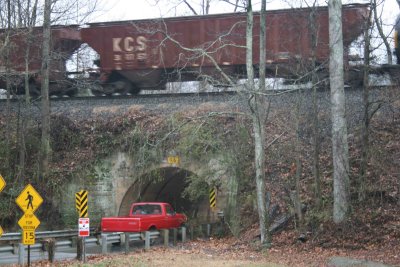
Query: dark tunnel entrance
x=166 y=185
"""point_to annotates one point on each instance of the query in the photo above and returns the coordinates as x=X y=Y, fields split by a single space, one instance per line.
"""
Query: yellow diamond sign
x=29 y=199
x=1 y=231
x=28 y=222
x=2 y=183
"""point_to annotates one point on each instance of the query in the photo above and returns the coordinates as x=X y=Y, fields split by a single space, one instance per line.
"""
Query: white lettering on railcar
x=129 y=44
x=129 y=50
x=130 y=57
x=116 y=47
x=117 y=57
x=141 y=41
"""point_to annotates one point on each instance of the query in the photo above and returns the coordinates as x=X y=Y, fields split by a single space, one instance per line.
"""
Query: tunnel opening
x=167 y=185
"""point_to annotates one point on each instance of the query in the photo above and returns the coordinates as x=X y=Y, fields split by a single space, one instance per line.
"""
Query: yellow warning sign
x=2 y=183
x=28 y=237
x=29 y=222
x=213 y=198
x=173 y=160
x=81 y=203
x=29 y=199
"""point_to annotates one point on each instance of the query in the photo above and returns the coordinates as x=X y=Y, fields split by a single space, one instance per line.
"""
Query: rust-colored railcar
x=148 y=53
x=64 y=41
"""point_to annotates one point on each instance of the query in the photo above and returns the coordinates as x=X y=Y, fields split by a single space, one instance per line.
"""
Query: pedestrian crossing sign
x=29 y=199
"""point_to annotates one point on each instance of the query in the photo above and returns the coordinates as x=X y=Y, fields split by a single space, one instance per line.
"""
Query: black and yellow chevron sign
x=213 y=198
x=81 y=200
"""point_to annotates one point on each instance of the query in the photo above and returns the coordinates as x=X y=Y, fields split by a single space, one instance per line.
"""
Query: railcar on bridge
x=146 y=54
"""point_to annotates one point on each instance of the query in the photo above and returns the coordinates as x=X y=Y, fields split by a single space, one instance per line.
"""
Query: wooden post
x=50 y=246
x=208 y=230
x=104 y=243
x=127 y=243
x=191 y=232
x=79 y=248
x=175 y=233
x=21 y=254
x=147 y=240
x=165 y=234
x=183 y=234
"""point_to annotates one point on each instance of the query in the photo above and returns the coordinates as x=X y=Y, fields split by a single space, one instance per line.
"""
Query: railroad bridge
x=118 y=180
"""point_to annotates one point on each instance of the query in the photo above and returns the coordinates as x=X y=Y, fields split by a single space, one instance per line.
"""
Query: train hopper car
x=65 y=40
x=145 y=54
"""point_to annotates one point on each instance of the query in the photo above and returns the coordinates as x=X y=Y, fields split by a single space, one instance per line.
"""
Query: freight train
x=146 y=54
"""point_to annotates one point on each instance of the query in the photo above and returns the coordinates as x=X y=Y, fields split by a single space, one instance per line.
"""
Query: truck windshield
x=146 y=209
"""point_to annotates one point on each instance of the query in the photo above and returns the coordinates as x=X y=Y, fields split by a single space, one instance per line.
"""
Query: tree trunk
x=339 y=126
x=45 y=140
x=315 y=121
x=8 y=88
x=365 y=130
x=262 y=117
x=257 y=107
x=296 y=195
x=21 y=145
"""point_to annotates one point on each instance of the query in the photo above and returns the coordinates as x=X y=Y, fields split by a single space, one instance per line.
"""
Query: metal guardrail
x=40 y=235
x=11 y=242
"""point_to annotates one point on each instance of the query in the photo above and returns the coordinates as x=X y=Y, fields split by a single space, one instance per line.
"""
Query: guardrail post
x=165 y=234
x=122 y=238
x=104 y=243
x=127 y=243
x=183 y=234
x=208 y=230
x=21 y=254
x=74 y=241
x=191 y=229
x=175 y=236
x=15 y=248
x=147 y=240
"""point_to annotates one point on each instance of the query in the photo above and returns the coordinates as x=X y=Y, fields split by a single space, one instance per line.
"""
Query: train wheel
x=134 y=90
x=34 y=91
x=122 y=86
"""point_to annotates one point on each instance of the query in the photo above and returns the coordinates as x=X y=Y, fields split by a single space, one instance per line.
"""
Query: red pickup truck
x=144 y=216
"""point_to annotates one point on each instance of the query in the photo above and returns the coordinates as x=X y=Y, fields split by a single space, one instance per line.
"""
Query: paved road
x=61 y=254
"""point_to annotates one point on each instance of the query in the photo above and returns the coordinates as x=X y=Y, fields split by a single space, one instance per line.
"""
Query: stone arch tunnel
x=116 y=184
x=165 y=184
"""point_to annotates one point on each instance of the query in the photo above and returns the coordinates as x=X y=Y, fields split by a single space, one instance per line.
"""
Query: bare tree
x=8 y=86
x=45 y=140
x=315 y=120
x=378 y=24
x=258 y=106
x=366 y=118
x=339 y=127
